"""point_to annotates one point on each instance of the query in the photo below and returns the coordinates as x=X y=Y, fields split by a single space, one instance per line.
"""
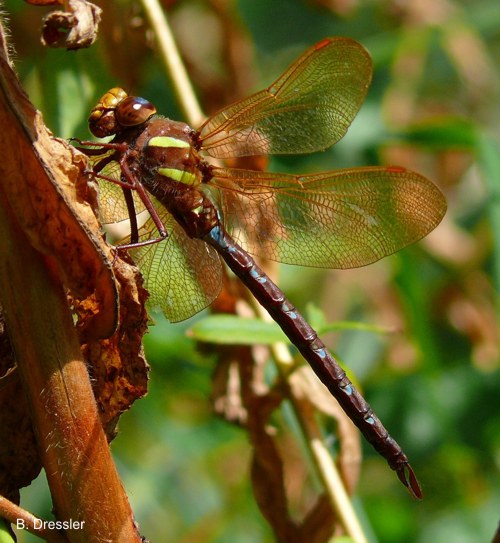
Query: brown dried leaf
x=75 y=28
x=319 y=524
x=118 y=367
x=44 y=182
x=269 y=478
x=226 y=386
x=268 y=472
x=240 y=370
x=241 y=396
x=19 y=461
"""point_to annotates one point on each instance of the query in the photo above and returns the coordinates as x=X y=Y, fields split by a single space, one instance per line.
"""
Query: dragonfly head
x=116 y=110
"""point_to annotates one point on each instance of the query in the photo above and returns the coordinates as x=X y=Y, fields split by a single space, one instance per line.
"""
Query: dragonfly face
x=116 y=111
x=336 y=219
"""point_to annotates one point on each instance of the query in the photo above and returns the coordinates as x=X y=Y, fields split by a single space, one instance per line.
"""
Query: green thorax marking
x=179 y=175
x=168 y=141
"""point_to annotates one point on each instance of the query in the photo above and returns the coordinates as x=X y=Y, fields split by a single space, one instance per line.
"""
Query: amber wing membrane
x=183 y=275
x=337 y=219
x=307 y=109
x=112 y=205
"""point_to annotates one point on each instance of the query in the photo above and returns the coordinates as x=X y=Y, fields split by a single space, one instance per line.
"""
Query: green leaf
x=353 y=325
x=442 y=132
x=233 y=330
x=5 y=534
x=316 y=318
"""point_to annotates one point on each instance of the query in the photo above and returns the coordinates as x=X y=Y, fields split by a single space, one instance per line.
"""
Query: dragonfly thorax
x=165 y=148
x=172 y=170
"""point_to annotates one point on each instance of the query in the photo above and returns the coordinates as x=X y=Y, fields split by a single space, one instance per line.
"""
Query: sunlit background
x=434 y=379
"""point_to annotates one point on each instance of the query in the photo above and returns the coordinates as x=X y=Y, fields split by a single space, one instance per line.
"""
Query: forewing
x=182 y=275
x=339 y=219
x=307 y=109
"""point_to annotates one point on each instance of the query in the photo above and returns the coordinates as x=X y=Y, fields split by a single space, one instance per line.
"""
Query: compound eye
x=133 y=111
x=111 y=99
x=102 y=119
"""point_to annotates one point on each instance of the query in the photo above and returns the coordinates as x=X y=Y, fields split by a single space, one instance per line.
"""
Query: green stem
x=172 y=61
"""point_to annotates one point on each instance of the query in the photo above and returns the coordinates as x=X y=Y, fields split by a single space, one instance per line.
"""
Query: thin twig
x=18 y=516
x=172 y=61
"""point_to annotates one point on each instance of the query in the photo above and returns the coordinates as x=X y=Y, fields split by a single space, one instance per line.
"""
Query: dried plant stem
x=172 y=61
x=87 y=494
x=84 y=484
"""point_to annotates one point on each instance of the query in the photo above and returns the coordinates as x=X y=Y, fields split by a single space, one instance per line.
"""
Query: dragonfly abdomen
x=304 y=337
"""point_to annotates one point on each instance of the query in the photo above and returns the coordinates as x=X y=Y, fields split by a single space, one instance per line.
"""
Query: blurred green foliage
x=435 y=381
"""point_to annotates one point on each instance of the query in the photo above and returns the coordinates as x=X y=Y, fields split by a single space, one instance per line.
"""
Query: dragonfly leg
x=124 y=184
x=128 y=183
x=144 y=243
x=134 y=229
x=146 y=200
x=98 y=147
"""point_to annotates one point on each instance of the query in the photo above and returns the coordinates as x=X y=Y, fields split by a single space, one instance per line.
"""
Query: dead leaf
x=242 y=396
x=319 y=523
x=44 y=182
x=74 y=28
x=117 y=364
x=268 y=478
x=19 y=461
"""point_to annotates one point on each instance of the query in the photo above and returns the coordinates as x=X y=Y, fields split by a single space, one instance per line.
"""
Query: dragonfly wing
x=339 y=219
x=307 y=109
x=112 y=205
x=182 y=275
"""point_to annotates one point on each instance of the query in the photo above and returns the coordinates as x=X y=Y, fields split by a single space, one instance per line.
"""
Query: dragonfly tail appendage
x=407 y=476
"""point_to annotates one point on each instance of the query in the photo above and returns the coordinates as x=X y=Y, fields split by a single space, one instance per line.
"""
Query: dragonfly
x=201 y=213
